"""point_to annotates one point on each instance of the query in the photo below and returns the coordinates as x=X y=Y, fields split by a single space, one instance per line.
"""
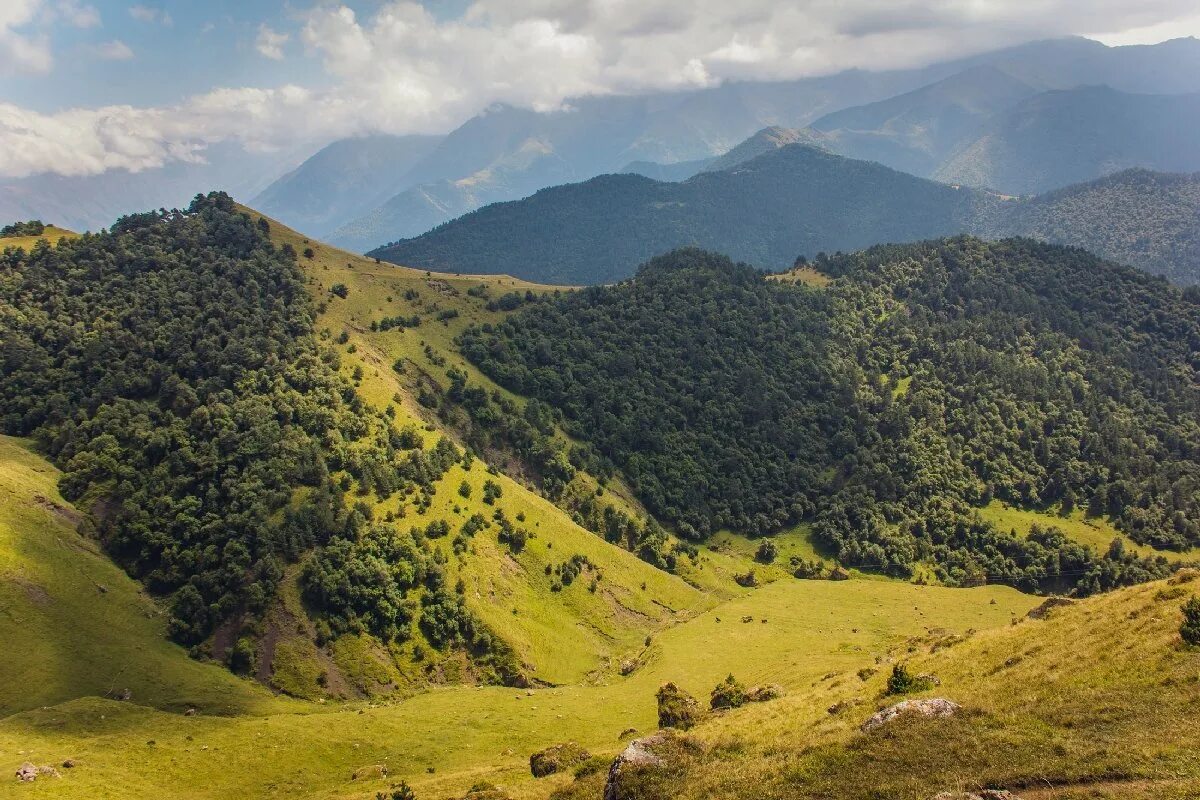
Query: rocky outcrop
x=931 y=707
x=27 y=772
x=1043 y=610
x=639 y=754
x=558 y=758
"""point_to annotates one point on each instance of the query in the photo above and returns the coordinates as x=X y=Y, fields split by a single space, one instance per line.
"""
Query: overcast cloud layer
x=402 y=69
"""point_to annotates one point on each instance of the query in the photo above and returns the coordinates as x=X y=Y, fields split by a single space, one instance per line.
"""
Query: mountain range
x=799 y=200
x=913 y=120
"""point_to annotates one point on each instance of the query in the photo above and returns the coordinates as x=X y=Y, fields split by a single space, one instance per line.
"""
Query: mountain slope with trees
x=729 y=400
x=793 y=200
x=799 y=200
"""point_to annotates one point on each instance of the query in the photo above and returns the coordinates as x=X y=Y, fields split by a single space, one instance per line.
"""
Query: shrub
x=557 y=759
x=677 y=708
x=727 y=694
x=766 y=553
x=902 y=681
x=242 y=659
x=341 y=290
x=1190 y=629
x=402 y=791
x=308 y=252
x=747 y=579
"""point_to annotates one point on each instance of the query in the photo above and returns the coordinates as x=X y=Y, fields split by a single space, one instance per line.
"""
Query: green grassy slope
x=74 y=624
x=561 y=636
x=52 y=234
x=468 y=734
x=1095 y=701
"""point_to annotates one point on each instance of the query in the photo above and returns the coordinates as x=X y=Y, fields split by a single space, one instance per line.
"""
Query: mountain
x=765 y=141
x=730 y=400
x=915 y=132
x=228 y=426
x=506 y=153
x=798 y=201
x=790 y=201
x=1146 y=219
x=671 y=173
x=1063 y=137
x=343 y=180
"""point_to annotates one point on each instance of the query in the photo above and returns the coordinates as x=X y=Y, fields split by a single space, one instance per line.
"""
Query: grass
x=1095 y=701
x=1098 y=690
x=470 y=734
x=1095 y=532
x=52 y=234
x=74 y=624
x=806 y=275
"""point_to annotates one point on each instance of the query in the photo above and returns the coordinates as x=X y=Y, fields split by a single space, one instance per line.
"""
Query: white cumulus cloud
x=270 y=42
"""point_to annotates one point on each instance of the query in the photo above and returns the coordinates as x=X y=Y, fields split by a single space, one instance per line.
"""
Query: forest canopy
x=928 y=380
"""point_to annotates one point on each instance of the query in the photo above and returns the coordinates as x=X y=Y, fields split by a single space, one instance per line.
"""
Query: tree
x=1190 y=629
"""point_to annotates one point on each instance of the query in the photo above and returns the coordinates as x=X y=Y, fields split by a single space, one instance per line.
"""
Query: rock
x=124 y=694
x=1043 y=611
x=69 y=764
x=628 y=666
x=638 y=754
x=191 y=712
x=370 y=771
x=928 y=678
x=627 y=732
x=677 y=708
x=27 y=772
x=839 y=574
x=931 y=707
x=761 y=694
x=558 y=758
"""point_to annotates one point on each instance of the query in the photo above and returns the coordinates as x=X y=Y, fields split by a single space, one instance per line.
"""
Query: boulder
x=370 y=771
x=1043 y=610
x=558 y=758
x=931 y=707
x=677 y=708
x=27 y=772
x=637 y=755
x=761 y=694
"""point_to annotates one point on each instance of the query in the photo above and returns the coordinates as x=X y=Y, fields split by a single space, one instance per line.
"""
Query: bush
x=399 y=792
x=904 y=682
x=677 y=708
x=747 y=579
x=242 y=658
x=1190 y=629
x=341 y=290
x=558 y=758
x=727 y=694
x=766 y=553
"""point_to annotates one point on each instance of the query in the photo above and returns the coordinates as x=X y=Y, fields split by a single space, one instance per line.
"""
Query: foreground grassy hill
x=244 y=743
x=74 y=624
x=1096 y=700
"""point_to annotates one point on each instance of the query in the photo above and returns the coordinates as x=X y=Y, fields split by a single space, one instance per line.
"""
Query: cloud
x=151 y=15
x=21 y=51
x=270 y=43
x=403 y=69
x=116 y=50
x=77 y=15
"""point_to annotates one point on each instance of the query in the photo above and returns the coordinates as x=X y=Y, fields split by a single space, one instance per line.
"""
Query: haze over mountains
x=915 y=120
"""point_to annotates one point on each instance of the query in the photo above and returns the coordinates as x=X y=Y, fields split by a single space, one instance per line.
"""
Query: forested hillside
x=799 y=200
x=925 y=380
x=170 y=369
x=792 y=200
x=1150 y=220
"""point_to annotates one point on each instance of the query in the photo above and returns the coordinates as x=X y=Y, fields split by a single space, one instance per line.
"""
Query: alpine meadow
x=574 y=401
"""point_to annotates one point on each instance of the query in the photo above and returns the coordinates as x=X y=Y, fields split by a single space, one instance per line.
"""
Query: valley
x=599 y=401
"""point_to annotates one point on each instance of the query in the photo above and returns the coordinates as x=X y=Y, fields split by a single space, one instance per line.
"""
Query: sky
x=87 y=87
